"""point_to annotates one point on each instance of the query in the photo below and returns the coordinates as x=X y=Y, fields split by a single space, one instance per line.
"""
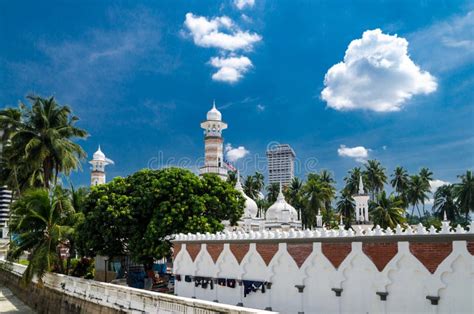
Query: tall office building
x=5 y=200
x=281 y=164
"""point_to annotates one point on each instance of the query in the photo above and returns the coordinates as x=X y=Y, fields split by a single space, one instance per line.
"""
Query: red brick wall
x=380 y=253
x=300 y=252
x=176 y=249
x=239 y=251
x=215 y=250
x=336 y=252
x=470 y=247
x=431 y=254
x=193 y=250
x=267 y=251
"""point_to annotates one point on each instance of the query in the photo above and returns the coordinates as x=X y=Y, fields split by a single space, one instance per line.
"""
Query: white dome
x=276 y=212
x=98 y=155
x=214 y=114
x=251 y=208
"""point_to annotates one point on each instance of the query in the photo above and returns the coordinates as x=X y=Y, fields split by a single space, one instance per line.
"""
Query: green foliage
x=41 y=222
x=375 y=177
x=387 y=211
x=464 y=192
x=318 y=193
x=138 y=214
x=38 y=144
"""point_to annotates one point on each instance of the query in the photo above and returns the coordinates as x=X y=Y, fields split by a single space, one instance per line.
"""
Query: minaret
x=362 y=203
x=213 y=144
x=98 y=162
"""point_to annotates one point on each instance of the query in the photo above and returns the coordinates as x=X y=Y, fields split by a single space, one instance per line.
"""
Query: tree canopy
x=138 y=214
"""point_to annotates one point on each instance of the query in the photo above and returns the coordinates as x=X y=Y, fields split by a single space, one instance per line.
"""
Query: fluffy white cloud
x=230 y=69
x=234 y=154
x=359 y=153
x=219 y=32
x=241 y=4
x=376 y=74
x=260 y=108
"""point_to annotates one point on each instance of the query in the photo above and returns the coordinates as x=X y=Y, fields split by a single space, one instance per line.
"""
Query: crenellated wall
x=334 y=271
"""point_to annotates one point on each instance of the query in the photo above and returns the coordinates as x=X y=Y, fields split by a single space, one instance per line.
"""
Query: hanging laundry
x=188 y=278
x=253 y=286
x=221 y=282
x=177 y=277
x=231 y=283
x=204 y=282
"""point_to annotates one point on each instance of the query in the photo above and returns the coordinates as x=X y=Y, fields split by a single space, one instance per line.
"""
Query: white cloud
x=359 y=153
x=230 y=69
x=376 y=74
x=445 y=45
x=234 y=154
x=241 y=4
x=219 y=32
x=260 y=107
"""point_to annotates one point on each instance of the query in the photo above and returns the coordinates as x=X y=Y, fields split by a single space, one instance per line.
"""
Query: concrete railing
x=126 y=299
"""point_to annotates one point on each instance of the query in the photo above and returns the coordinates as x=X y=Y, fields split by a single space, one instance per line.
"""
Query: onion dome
x=278 y=211
x=251 y=208
x=100 y=156
x=214 y=114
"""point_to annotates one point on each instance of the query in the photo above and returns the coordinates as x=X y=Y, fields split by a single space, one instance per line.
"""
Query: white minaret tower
x=213 y=144
x=362 y=203
x=98 y=162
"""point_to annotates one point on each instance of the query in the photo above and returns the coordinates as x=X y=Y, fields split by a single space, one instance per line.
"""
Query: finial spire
x=214 y=104
x=341 y=222
x=361 y=185
x=445 y=217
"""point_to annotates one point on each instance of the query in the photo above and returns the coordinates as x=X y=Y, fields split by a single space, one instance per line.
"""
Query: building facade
x=281 y=164
x=214 y=144
x=5 y=201
x=361 y=200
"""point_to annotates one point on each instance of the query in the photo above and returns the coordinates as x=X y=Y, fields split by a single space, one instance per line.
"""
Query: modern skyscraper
x=98 y=162
x=5 y=201
x=281 y=164
x=213 y=144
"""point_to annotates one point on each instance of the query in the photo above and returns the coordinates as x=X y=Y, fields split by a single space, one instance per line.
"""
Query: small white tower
x=98 y=162
x=362 y=204
x=213 y=144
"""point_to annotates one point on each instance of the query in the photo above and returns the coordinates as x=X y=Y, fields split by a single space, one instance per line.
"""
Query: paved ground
x=11 y=304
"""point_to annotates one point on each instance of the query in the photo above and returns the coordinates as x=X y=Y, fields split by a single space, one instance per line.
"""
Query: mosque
x=279 y=216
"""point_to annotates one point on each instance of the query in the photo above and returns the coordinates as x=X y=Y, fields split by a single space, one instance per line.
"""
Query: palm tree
x=42 y=138
x=464 y=192
x=376 y=178
x=386 y=211
x=259 y=181
x=418 y=191
x=352 y=181
x=249 y=187
x=318 y=195
x=294 y=194
x=444 y=202
x=232 y=177
x=346 y=207
x=426 y=174
x=326 y=176
x=39 y=220
x=400 y=180
x=272 y=192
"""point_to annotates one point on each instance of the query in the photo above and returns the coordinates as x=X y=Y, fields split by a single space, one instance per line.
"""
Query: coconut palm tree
x=294 y=195
x=400 y=180
x=386 y=211
x=464 y=193
x=259 y=180
x=444 y=202
x=426 y=175
x=376 y=177
x=317 y=195
x=352 y=181
x=272 y=192
x=43 y=138
x=232 y=177
x=39 y=220
x=346 y=207
x=418 y=190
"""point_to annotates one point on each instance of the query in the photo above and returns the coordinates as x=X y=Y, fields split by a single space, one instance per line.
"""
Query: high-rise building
x=281 y=164
x=213 y=144
x=5 y=201
x=98 y=162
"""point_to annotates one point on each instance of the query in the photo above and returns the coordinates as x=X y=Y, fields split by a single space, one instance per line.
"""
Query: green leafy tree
x=318 y=195
x=139 y=214
x=418 y=190
x=351 y=181
x=464 y=192
x=387 y=211
x=400 y=180
x=346 y=208
x=375 y=176
x=294 y=195
x=41 y=221
x=272 y=192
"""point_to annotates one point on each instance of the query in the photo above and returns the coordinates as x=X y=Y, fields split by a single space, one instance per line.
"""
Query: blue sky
x=142 y=75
